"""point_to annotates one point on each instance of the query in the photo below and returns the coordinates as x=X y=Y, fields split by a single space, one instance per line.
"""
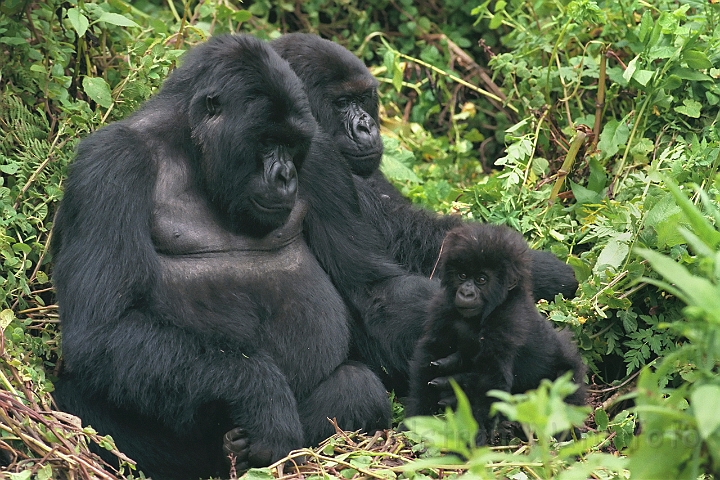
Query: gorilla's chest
x=270 y=292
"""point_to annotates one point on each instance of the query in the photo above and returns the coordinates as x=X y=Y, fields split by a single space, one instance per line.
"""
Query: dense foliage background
x=590 y=126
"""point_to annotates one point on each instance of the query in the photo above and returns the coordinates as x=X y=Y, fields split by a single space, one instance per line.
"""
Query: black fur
x=206 y=253
x=343 y=99
x=389 y=310
x=487 y=315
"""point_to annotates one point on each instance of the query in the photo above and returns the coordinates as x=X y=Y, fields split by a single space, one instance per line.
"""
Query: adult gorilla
x=343 y=98
x=195 y=318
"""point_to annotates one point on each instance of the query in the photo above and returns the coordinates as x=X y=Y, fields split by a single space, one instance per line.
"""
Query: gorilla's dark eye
x=481 y=280
x=342 y=103
x=462 y=276
x=212 y=104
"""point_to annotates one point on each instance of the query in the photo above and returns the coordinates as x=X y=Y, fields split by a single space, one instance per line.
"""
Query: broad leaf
x=98 y=90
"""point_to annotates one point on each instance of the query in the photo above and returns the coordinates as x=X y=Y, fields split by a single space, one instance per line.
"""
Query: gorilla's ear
x=512 y=281
x=205 y=103
x=212 y=104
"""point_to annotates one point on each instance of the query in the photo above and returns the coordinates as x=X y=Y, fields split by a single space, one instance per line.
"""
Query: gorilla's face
x=343 y=96
x=252 y=137
x=480 y=264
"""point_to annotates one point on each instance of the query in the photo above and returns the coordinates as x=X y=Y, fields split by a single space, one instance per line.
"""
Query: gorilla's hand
x=450 y=367
x=237 y=442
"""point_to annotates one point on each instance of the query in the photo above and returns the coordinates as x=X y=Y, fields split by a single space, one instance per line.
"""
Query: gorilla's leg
x=353 y=395
x=550 y=276
x=164 y=453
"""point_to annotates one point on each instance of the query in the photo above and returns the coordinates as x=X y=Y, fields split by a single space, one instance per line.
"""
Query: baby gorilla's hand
x=450 y=367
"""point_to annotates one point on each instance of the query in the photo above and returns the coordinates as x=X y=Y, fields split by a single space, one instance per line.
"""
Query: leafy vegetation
x=564 y=120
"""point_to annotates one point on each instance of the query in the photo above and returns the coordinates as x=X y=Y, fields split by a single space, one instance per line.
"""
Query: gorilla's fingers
x=260 y=456
x=236 y=442
x=448 y=402
x=448 y=363
x=441 y=383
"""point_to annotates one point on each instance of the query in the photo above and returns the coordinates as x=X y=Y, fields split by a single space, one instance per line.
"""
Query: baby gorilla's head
x=479 y=265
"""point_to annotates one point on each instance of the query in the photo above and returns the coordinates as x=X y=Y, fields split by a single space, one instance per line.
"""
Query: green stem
x=550 y=61
x=568 y=163
x=174 y=12
x=532 y=154
x=639 y=117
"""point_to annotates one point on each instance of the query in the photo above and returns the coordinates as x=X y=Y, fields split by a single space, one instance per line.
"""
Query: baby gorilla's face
x=470 y=293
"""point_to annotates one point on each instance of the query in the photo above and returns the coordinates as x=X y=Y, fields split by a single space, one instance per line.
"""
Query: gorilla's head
x=343 y=96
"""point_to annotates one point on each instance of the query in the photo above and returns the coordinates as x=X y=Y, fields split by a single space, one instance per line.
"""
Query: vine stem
x=600 y=100
x=537 y=135
x=638 y=118
x=575 y=145
x=550 y=60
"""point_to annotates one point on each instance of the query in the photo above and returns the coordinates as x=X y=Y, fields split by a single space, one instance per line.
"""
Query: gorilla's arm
x=388 y=303
x=416 y=235
x=349 y=250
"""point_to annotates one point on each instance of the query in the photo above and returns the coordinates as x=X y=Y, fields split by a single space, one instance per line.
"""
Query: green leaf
x=24 y=475
x=615 y=252
x=467 y=427
x=395 y=161
x=690 y=107
x=398 y=73
x=45 y=472
x=6 y=317
x=258 y=474
x=601 y=419
x=495 y=22
x=672 y=82
x=433 y=430
x=613 y=136
x=13 y=40
x=665 y=217
x=116 y=19
x=389 y=60
x=361 y=461
x=646 y=25
x=702 y=227
x=643 y=77
x=639 y=75
x=598 y=179
x=696 y=59
x=10 y=169
x=78 y=21
x=21 y=248
x=241 y=16
x=584 y=195
x=348 y=473
x=695 y=291
x=631 y=67
x=692 y=75
x=98 y=90
x=705 y=402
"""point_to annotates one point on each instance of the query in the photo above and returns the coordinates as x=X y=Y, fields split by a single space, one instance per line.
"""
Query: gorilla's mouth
x=271 y=210
x=365 y=156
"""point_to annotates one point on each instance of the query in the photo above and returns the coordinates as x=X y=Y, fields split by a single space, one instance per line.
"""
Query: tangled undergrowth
x=564 y=120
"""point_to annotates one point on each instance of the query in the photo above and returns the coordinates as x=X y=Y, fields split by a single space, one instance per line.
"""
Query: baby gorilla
x=485 y=318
